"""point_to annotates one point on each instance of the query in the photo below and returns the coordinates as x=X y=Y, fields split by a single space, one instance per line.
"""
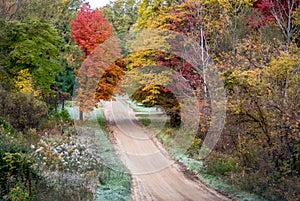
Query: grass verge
x=115 y=180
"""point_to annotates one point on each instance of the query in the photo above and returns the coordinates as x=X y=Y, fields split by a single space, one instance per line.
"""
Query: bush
x=7 y=126
x=193 y=150
x=221 y=165
x=18 y=193
x=65 y=116
x=22 y=110
x=70 y=168
x=15 y=168
x=270 y=186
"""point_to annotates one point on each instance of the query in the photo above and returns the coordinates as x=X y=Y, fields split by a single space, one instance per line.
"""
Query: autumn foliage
x=99 y=73
x=255 y=46
x=90 y=28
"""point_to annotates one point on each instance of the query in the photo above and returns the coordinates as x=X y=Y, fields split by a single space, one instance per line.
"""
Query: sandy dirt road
x=155 y=176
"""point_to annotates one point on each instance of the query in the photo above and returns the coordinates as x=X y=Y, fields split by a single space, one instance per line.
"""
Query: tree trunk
x=63 y=104
x=80 y=115
x=175 y=119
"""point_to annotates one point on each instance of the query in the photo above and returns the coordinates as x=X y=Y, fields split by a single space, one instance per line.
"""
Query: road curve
x=155 y=176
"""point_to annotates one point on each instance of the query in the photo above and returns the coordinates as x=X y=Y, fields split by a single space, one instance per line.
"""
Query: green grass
x=138 y=107
x=145 y=121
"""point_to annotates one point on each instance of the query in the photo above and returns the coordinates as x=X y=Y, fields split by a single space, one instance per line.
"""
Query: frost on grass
x=67 y=163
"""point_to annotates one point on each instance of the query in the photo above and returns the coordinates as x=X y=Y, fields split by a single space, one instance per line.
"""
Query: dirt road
x=155 y=176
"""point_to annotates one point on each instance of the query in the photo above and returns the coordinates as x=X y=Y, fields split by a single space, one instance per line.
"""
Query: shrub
x=15 y=168
x=270 y=186
x=193 y=150
x=221 y=165
x=7 y=126
x=18 y=193
x=70 y=168
x=22 y=110
x=65 y=116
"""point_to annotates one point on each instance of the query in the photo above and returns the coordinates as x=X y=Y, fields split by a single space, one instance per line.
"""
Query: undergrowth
x=211 y=176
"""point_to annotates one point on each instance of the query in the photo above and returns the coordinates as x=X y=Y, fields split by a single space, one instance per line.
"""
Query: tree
x=34 y=45
x=148 y=10
x=90 y=28
x=174 y=16
x=281 y=12
x=58 y=14
x=50 y=10
x=122 y=14
x=98 y=73
x=108 y=83
x=261 y=127
x=8 y=9
x=23 y=81
x=64 y=85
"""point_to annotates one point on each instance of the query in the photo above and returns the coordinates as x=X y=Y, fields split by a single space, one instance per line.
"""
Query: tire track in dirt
x=155 y=175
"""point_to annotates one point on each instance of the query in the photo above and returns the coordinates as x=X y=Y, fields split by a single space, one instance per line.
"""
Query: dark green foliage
x=6 y=82
x=64 y=85
x=65 y=79
x=22 y=111
x=61 y=116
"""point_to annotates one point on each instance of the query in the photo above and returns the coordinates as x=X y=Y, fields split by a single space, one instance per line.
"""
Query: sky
x=98 y=3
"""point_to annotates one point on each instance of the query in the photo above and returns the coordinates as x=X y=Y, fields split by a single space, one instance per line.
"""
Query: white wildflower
x=39 y=149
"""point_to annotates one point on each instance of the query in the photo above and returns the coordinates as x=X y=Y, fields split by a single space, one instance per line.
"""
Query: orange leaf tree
x=99 y=73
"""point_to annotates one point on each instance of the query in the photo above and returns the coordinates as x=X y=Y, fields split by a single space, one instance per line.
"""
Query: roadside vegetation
x=65 y=162
x=55 y=51
x=255 y=47
x=46 y=165
x=42 y=153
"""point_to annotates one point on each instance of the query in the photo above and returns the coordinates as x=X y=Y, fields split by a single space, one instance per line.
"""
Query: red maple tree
x=90 y=28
